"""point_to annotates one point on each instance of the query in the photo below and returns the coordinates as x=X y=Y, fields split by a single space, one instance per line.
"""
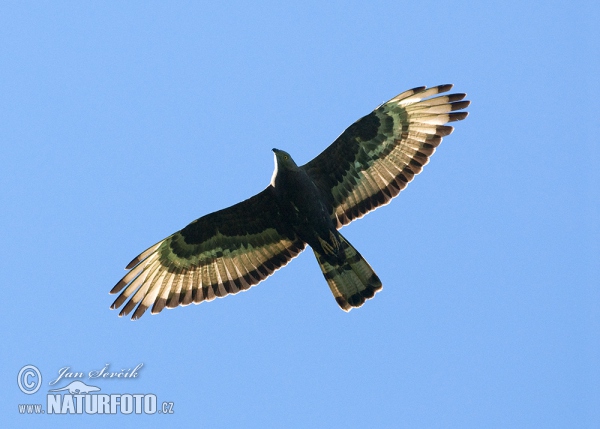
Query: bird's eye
x=285 y=157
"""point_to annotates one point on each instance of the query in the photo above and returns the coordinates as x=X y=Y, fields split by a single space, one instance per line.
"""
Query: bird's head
x=283 y=160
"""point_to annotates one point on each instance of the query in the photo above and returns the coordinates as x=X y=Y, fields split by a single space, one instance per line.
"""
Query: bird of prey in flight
x=230 y=250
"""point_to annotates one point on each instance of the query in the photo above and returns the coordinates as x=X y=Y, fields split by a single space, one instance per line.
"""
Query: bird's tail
x=350 y=278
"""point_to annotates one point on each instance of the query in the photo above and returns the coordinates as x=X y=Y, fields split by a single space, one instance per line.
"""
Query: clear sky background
x=121 y=123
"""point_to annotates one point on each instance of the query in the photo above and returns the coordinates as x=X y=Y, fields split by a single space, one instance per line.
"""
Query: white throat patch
x=274 y=171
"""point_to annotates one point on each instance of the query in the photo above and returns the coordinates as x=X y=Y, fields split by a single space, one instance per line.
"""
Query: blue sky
x=121 y=123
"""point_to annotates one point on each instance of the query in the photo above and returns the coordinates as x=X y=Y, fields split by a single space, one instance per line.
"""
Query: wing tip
x=139 y=312
x=117 y=288
x=457 y=116
x=406 y=94
x=127 y=309
x=133 y=263
x=443 y=130
x=459 y=105
x=417 y=89
x=444 y=87
x=159 y=305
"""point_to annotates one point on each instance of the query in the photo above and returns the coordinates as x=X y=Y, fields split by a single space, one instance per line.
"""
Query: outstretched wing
x=221 y=253
x=376 y=157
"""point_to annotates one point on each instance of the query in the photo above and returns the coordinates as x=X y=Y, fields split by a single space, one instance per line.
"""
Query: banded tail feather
x=350 y=278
